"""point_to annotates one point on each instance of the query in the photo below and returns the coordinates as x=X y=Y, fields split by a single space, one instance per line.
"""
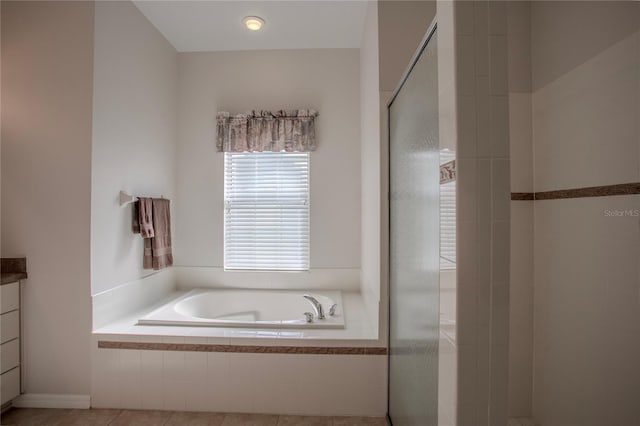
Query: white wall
x=370 y=162
x=47 y=74
x=134 y=135
x=586 y=132
x=326 y=80
x=402 y=24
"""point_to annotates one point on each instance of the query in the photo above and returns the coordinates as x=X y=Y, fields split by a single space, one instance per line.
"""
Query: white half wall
x=326 y=80
x=134 y=135
x=47 y=74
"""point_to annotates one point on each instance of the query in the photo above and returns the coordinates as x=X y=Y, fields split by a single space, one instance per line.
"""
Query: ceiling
x=216 y=25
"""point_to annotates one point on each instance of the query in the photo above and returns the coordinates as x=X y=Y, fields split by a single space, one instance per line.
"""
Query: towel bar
x=126 y=198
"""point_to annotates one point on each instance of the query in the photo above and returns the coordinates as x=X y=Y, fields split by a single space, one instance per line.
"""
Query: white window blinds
x=266 y=221
x=447 y=218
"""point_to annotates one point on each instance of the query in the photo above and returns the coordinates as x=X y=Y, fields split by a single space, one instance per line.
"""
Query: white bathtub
x=247 y=308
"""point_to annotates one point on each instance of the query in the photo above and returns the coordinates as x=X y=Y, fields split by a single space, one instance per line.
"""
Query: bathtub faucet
x=317 y=306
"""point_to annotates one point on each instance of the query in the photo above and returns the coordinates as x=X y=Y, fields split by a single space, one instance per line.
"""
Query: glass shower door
x=414 y=216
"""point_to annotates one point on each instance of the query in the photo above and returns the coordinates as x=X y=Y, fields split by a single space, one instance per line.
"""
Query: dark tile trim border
x=592 y=191
x=246 y=349
x=522 y=196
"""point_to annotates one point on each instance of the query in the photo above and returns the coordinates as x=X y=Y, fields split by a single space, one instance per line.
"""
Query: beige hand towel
x=135 y=217
x=161 y=242
x=147 y=256
x=145 y=207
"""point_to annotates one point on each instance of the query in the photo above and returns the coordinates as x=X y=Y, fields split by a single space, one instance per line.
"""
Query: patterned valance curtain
x=267 y=131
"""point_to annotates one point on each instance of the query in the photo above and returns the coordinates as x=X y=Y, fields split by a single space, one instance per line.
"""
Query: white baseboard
x=52 y=400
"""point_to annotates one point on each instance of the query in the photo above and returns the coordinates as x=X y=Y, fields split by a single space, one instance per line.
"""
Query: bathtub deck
x=357 y=332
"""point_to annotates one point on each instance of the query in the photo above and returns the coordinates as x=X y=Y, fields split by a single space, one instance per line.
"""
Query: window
x=266 y=221
x=447 y=217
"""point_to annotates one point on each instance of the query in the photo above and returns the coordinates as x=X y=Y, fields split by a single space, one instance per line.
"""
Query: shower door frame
x=433 y=26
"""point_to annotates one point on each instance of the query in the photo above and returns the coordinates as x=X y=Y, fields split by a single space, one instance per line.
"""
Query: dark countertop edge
x=12 y=277
x=12 y=269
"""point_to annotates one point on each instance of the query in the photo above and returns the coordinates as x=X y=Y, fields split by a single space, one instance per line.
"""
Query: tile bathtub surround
x=292 y=384
x=117 y=311
x=93 y=417
x=112 y=305
x=345 y=279
x=189 y=347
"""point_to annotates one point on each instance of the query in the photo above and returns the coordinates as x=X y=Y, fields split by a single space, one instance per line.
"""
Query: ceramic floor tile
x=304 y=421
x=359 y=421
x=34 y=417
x=250 y=420
x=195 y=419
x=89 y=417
x=96 y=417
x=527 y=421
x=141 y=418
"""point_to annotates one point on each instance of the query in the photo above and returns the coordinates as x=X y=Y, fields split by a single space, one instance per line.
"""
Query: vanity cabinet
x=9 y=341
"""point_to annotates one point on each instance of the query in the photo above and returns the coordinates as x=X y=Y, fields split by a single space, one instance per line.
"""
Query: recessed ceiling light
x=254 y=23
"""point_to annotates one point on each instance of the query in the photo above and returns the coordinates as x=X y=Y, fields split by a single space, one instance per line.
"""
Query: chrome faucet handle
x=308 y=316
x=332 y=309
x=317 y=306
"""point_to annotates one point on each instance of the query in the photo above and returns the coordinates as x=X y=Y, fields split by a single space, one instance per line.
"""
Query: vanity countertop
x=12 y=269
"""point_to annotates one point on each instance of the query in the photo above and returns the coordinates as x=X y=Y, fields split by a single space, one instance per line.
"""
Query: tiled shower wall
x=586 y=132
x=483 y=211
x=521 y=144
x=574 y=105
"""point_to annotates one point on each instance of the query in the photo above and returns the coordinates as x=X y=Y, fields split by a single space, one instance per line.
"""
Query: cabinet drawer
x=9 y=355
x=10 y=326
x=10 y=385
x=9 y=297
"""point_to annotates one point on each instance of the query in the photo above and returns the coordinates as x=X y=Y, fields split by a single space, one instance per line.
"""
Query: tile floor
x=522 y=421
x=60 y=417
